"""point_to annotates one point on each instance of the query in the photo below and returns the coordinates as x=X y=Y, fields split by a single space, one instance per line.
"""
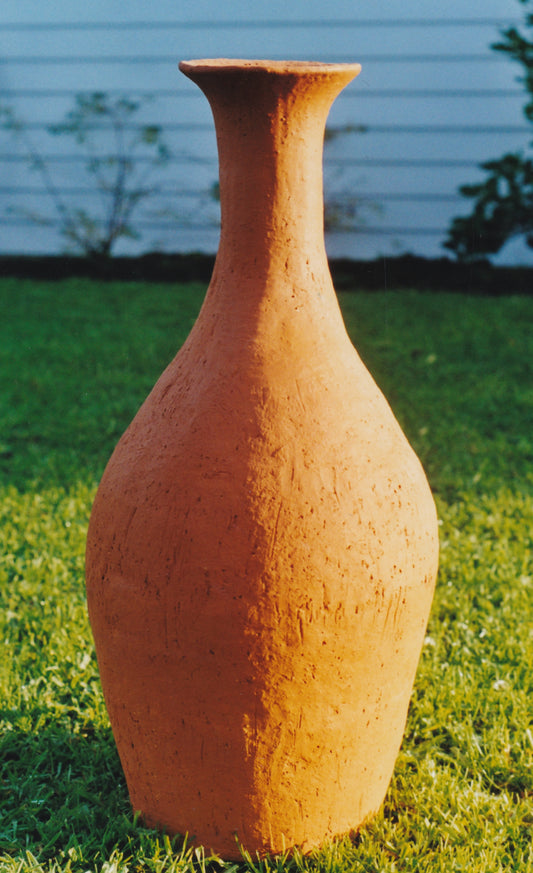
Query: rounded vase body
x=262 y=549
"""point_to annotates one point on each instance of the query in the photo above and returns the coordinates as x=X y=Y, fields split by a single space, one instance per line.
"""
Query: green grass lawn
x=76 y=360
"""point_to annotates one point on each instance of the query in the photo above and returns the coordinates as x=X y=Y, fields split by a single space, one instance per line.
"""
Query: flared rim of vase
x=211 y=65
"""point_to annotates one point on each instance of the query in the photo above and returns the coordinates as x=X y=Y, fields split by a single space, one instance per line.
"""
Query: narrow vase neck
x=270 y=120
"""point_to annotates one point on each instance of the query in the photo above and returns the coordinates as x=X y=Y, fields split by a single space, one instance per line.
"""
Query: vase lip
x=226 y=65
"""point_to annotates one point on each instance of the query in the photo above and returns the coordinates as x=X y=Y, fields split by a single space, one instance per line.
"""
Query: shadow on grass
x=64 y=805
x=60 y=790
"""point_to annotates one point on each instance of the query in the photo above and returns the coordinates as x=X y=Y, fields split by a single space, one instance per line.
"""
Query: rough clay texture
x=262 y=549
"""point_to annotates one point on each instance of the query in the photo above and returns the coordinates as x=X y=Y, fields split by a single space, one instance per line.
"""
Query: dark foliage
x=503 y=202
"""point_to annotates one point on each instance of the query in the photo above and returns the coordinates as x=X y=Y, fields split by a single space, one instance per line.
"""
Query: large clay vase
x=262 y=549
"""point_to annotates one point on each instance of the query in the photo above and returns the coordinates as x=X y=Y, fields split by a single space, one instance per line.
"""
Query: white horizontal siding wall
x=433 y=99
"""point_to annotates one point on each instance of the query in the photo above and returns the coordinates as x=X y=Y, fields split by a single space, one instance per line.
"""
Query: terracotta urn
x=262 y=549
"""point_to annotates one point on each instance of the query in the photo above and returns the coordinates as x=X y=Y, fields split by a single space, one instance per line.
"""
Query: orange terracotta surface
x=262 y=550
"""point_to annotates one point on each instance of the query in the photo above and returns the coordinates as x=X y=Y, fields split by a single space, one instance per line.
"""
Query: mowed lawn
x=76 y=360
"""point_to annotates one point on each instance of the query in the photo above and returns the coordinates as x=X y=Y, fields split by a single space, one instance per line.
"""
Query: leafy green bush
x=503 y=202
x=111 y=144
